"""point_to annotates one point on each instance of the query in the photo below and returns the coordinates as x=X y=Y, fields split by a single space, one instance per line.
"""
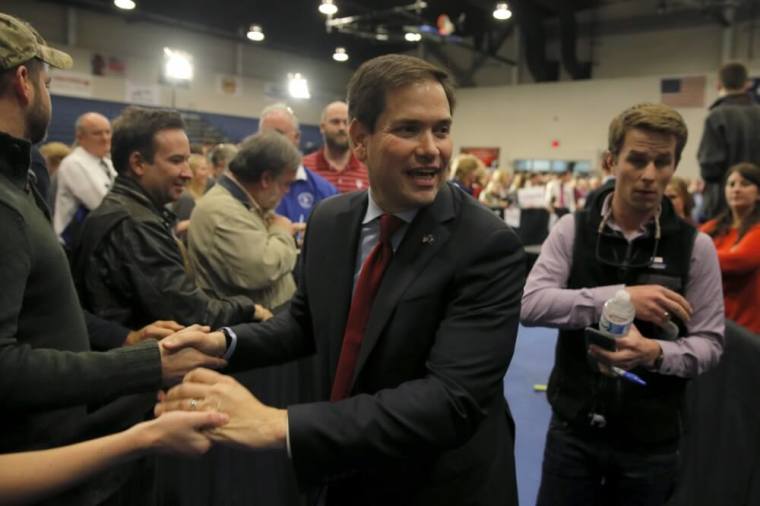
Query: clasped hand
x=251 y=424
x=188 y=349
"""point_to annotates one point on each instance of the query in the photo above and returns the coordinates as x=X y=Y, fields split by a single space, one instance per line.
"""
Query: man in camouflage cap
x=24 y=57
x=49 y=375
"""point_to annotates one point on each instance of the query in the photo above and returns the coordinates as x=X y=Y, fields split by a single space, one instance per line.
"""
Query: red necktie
x=366 y=287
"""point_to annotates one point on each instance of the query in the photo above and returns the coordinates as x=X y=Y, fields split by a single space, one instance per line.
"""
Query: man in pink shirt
x=335 y=161
x=611 y=441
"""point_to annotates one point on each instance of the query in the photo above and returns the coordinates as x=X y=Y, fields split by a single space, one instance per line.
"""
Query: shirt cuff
x=228 y=332
x=287 y=438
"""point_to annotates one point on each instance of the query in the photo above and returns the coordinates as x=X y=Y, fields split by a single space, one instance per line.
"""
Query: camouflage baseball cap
x=19 y=43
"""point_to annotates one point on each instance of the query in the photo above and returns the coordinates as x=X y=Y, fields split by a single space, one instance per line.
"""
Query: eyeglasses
x=633 y=258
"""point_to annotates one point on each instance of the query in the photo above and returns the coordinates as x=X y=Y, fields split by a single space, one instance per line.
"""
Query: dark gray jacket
x=731 y=135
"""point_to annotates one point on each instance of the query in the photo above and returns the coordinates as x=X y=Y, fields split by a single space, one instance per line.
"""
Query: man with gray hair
x=220 y=156
x=85 y=176
x=307 y=188
x=237 y=244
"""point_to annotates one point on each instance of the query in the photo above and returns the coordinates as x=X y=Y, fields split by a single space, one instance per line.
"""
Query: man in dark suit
x=414 y=330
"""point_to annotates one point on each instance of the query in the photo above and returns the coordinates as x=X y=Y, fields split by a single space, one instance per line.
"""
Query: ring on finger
x=193 y=404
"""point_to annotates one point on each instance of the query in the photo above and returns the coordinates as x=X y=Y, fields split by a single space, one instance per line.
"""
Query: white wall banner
x=74 y=84
x=534 y=197
x=142 y=94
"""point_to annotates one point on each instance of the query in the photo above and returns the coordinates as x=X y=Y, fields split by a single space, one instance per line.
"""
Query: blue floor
x=531 y=365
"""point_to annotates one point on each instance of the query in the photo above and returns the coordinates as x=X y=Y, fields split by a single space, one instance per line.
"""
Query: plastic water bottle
x=617 y=315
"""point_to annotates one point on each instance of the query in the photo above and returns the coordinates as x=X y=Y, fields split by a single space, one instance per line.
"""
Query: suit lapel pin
x=428 y=239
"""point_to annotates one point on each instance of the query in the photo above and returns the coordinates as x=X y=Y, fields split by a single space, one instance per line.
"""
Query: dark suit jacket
x=427 y=423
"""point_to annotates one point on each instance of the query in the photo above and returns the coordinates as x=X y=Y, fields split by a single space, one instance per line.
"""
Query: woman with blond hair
x=464 y=170
x=194 y=190
x=496 y=192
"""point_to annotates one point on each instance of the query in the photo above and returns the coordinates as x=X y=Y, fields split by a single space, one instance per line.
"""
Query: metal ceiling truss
x=391 y=25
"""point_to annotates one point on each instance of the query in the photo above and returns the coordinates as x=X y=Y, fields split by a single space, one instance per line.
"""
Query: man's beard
x=337 y=142
x=37 y=121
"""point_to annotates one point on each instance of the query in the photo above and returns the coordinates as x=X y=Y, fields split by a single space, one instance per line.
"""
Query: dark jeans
x=583 y=470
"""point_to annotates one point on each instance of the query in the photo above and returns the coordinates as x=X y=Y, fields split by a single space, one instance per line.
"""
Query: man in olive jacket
x=237 y=245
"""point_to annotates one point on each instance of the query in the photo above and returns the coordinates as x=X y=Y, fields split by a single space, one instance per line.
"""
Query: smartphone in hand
x=595 y=336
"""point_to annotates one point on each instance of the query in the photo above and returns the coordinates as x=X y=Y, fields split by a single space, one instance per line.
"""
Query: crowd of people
x=134 y=263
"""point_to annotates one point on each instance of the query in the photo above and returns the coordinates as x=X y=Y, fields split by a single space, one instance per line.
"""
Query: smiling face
x=164 y=178
x=643 y=169
x=407 y=155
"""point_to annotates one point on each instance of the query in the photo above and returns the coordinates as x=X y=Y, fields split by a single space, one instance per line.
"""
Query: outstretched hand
x=198 y=337
x=156 y=330
x=251 y=423
x=179 y=432
x=188 y=349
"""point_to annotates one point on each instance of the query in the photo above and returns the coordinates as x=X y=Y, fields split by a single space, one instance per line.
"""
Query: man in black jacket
x=128 y=265
x=412 y=357
x=730 y=136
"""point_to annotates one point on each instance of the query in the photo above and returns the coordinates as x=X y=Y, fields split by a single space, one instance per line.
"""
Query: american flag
x=683 y=91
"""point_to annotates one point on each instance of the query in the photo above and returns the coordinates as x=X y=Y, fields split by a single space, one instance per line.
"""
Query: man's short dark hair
x=375 y=78
x=33 y=66
x=135 y=129
x=733 y=76
x=264 y=152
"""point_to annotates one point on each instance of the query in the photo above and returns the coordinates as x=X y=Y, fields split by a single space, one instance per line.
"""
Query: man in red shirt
x=335 y=161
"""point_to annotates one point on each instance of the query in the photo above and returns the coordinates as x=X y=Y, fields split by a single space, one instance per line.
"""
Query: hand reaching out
x=251 y=423
x=179 y=432
x=261 y=313
x=188 y=349
x=198 y=337
x=156 y=330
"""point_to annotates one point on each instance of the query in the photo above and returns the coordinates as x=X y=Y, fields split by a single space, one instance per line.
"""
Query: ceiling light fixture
x=502 y=11
x=328 y=7
x=127 y=5
x=298 y=87
x=413 y=36
x=340 y=54
x=255 y=33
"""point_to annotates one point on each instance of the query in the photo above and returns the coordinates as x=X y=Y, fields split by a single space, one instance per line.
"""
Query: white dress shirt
x=83 y=179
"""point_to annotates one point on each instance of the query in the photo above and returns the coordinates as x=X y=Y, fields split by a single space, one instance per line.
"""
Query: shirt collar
x=300 y=173
x=607 y=209
x=89 y=155
x=374 y=211
x=250 y=200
